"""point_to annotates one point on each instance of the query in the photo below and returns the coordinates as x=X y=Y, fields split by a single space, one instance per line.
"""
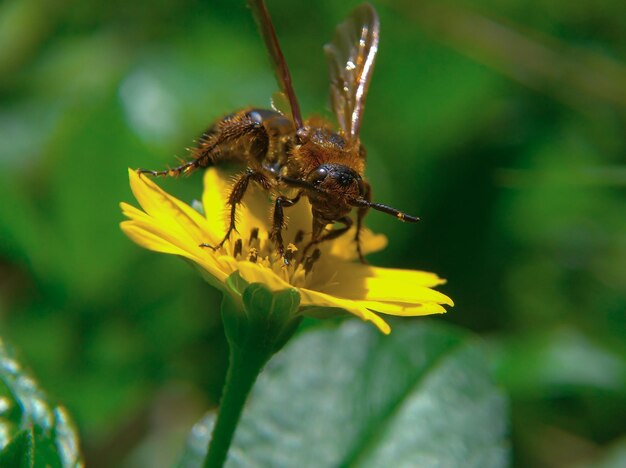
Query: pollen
x=295 y=266
x=253 y=255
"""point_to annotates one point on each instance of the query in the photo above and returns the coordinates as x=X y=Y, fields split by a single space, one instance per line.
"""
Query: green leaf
x=557 y=362
x=32 y=431
x=614 y=456
x=350 y=396
x=19 y=452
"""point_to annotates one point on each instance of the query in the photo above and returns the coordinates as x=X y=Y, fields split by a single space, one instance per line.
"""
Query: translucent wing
x=280 y=103
x=262 y=17
x=350 y=57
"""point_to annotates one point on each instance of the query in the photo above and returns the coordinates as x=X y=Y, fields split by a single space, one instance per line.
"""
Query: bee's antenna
x=361 y=203
x=356 y=202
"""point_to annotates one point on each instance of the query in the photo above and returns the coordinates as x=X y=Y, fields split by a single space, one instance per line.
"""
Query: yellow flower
x=334 y=280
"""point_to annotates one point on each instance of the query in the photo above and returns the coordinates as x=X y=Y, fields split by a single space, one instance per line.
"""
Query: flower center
x=295 y=266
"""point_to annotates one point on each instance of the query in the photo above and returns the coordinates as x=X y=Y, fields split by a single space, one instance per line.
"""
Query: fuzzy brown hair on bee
x=282 y=153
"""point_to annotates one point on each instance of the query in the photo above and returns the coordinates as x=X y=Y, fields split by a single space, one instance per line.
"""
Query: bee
x=282 y=153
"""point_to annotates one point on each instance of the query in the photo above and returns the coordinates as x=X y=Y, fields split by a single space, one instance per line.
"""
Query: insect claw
x=289 y=254
x=310 y=261
x=151 y=172
x=204 y=245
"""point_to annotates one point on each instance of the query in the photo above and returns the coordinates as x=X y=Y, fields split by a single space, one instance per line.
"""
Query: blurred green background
x=501 y=124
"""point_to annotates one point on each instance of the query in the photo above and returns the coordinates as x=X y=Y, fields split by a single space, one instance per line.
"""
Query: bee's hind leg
x=226 y=131
x=204 y=155
x=236 y=195
x=185 y=168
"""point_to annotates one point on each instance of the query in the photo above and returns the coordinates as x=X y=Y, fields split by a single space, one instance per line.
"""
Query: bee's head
x=336 y=188
x=336 y=179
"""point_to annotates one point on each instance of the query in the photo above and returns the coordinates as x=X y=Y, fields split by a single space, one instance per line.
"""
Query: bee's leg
x=226 y=131
x=236 y=195
x=278 y=221
x=328 y=235
x=362 y=211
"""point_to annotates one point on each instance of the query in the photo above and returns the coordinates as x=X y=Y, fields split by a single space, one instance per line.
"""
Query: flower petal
x=167 y=209
x=363 y=282
x=149 y=236
x=403 y=309
x=344 y=246
x=377 y=289
x=417 y=277
x=149 y=240
x=214 y=202
x=315 y=298
x=255 y=273
x=133 y=213
x=178 y=238
x=172 y=233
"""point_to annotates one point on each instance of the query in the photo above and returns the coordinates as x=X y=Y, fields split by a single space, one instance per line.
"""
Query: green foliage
x=322 y=402
x=34 y=433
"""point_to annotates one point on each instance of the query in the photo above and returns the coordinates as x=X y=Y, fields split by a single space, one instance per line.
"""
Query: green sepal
x=276 y=312
x=232 y=307
x=263 y=319
x=236 y=284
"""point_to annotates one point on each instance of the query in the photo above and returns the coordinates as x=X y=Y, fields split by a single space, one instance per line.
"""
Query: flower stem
x=244 y=367
x=256 y=327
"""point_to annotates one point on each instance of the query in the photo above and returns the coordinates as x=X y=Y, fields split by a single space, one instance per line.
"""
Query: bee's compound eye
x=318 y=175
x=345 y=179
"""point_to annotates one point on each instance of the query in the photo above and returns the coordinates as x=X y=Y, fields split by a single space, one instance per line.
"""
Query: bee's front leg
x=328 y=235
x=366 y=193
x=236 y=195
x=278 y=222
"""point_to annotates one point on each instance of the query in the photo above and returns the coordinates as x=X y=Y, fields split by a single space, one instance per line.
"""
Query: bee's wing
x=350 y=57
x=262 y=17
x=280 y=103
